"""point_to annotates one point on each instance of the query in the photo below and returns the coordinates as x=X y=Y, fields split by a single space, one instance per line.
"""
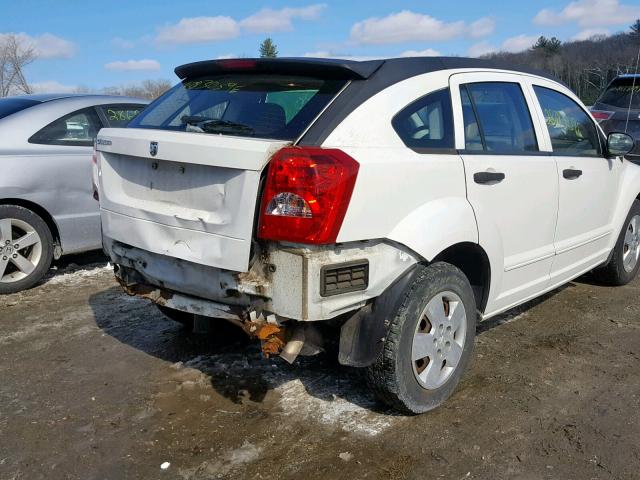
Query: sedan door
x=511 y=185
x=588 y=184
x=64 y=149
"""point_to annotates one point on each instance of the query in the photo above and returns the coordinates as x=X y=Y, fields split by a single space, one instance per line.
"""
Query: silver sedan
x=46 y=200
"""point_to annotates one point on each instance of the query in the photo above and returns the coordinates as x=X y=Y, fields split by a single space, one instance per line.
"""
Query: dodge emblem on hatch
x=153 y=148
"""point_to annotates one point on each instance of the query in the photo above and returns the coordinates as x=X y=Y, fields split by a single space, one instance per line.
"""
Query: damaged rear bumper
x=285 y=280
x=279 y=299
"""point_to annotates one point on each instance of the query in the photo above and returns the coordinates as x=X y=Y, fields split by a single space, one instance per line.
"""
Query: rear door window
x=572 y=131
x=119 y=115
x=497 y=118
x=76 y=129
x=427 y=123
x=249 y=105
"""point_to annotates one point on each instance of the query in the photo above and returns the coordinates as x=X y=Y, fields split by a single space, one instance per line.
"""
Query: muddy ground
x=98 y=385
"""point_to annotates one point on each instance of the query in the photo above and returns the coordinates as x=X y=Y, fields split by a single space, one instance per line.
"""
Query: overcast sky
x=102 y=43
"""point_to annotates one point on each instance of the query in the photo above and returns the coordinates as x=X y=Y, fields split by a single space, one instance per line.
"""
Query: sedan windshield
x=248 y=105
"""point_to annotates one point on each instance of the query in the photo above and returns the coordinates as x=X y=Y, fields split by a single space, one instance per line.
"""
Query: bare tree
x=155 y=88
x=14 y=56
x=150 y=89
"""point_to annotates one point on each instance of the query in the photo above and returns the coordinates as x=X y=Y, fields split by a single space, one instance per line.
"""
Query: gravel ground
x=98 y=385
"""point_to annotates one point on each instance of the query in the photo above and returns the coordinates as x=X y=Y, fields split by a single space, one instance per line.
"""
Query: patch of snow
x=309 y=390
x=75 y=274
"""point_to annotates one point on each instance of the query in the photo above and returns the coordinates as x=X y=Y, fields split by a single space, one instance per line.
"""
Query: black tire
x=185 y=318
x=46 y=244
x=614 y=272
x=392 y=376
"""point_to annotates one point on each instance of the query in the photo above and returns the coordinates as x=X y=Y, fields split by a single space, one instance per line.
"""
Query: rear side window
x=249 y=105
x=120 y=115
x=427 y=123
x=497 y=118
x=572 y=131
x=9 y=106
x=76 y=129
x=621 y=93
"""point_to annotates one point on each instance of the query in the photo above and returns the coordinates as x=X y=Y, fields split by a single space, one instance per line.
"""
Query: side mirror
x=619 y=144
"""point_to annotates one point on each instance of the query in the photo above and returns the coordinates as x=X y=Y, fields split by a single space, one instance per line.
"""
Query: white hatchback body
x=502 y=176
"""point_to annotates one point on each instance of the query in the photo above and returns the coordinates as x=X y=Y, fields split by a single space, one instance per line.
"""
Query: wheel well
x=474 y=263
x=35 y=208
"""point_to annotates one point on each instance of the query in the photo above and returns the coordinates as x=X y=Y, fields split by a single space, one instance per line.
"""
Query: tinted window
x=120 y=115
x=427 y=122
x=497 y=113
x=571 y=130
x=9 y=106
x=76 y=129
x=622 y=92
x=251 y=105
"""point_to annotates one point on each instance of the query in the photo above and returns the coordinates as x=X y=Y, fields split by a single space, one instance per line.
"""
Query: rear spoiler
x=315 y=67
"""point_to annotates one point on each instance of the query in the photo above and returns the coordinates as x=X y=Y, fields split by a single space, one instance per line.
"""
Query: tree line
x=586 y=66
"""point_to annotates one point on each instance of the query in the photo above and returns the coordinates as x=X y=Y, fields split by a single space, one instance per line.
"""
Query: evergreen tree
x=635 y=30
x=547 y=46
x=268 y=49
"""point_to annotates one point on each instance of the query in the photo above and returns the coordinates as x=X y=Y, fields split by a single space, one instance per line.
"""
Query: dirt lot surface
x=98 y=385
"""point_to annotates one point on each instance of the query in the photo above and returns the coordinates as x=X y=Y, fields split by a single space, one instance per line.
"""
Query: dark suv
x=613 y=112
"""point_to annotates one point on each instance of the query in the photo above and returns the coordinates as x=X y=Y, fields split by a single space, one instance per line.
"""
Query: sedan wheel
x=26 y=248
x=20 y=250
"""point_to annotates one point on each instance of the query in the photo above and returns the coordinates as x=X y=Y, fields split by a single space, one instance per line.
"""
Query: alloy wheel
x=20 y=250
x=438 y=340
x=631 y=247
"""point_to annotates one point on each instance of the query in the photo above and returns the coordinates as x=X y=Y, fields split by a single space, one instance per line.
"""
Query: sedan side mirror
x=619 y=144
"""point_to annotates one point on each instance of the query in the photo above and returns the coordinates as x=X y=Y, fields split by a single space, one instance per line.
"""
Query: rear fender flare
x=437 y=225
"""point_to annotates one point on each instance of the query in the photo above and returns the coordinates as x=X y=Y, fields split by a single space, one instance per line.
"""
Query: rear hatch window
x=9 y=106
x=621 y=92
x=248 y=105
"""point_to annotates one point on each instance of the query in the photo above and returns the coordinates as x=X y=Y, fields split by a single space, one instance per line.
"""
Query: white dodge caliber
x=388 y=204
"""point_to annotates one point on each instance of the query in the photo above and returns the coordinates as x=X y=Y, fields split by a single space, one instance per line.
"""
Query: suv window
x=497 y=118
x=241 y=104
x=427 y=122
x=120 y=115
x=622 y=92
x=76 y=129
x=572 y=131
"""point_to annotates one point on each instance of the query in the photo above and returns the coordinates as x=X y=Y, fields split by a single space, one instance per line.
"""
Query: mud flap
x=362 y=336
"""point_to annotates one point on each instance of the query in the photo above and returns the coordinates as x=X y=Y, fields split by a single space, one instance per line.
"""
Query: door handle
x=571 y=174
x=488 y=178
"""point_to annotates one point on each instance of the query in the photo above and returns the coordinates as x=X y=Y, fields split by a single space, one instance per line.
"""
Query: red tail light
x=601 y=115
x=306 y=195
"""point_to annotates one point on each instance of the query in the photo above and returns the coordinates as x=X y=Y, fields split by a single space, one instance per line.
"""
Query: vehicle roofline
x=349 y=69
x=53 y=97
